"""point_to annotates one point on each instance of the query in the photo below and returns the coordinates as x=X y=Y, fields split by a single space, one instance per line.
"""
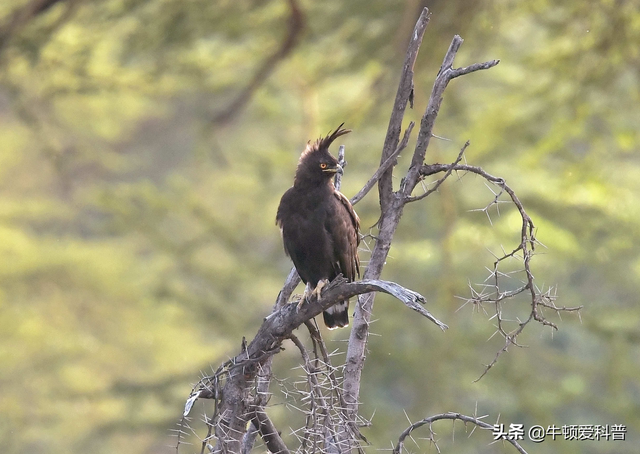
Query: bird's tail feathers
x=337 y=316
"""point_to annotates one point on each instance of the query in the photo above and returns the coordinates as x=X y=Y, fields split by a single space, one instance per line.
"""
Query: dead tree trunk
x=392 y=202
x=240 y=386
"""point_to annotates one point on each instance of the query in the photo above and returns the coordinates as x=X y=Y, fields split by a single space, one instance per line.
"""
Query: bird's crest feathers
x=316 y=165
x=323 y=143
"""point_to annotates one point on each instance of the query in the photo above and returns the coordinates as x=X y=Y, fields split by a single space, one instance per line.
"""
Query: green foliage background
x=137 y=235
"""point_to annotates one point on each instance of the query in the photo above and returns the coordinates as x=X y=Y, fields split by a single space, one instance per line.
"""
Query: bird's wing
x=344 y=226
x=283 y=216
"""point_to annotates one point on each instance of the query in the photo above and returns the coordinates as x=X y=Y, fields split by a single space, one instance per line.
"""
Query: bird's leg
x=318 y=290
x=308 y=293
x=305 y=296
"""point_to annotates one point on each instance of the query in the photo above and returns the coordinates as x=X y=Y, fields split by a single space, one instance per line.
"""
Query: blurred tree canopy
x=144 y=146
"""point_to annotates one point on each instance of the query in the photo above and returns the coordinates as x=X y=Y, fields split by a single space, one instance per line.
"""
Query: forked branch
x=446 y=74
x=240 y=386
x=228 y=386
x=523 y=251
x=392 y=203
x=391 y=161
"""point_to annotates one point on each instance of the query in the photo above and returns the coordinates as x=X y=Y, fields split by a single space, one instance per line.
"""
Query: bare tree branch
x=404 y=95
x=391 y=161
x=230 y=418
x=451 y=416
x=445 y=75
x=392 y=203
x=240 y=386
x=291 y=316
x=525 y=247
x=337 y=180
x=249 y=438
x=391 y=211
x=325 y=416
x=290 y=284
x=448 y=172
x=269 y=433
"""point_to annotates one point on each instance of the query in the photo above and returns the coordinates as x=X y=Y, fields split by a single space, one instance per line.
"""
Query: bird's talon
x=318 y=290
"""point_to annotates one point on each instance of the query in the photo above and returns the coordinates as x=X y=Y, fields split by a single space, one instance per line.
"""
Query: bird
x=320 y=228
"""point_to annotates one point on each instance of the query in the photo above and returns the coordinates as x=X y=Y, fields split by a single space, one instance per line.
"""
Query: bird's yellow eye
x=323 y=166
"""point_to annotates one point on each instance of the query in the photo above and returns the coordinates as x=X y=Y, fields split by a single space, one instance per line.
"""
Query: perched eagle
x=319 y=226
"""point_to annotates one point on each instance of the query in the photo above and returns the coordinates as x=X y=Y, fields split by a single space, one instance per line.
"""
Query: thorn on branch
x=523 y=251
x=404 y=95
x=331 y=410
x=391 y=161
x=445 y=75
x=269 y=433
x=450 y=416
x=448 y=172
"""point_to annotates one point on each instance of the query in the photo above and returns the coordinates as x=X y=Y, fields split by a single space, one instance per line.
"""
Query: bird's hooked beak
x=337 y=169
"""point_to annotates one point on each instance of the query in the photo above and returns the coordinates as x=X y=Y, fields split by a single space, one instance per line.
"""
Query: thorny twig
x=332 y=409
x=391 y=161
x=448 y=172
x=524 y=251
x=256 y=356
x=451 y=416
x=325 y=413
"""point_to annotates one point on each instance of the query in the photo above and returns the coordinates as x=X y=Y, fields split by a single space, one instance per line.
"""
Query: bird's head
x=317 y=166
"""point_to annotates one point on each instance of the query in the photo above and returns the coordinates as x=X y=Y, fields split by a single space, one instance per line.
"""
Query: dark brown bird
x=319 y=226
